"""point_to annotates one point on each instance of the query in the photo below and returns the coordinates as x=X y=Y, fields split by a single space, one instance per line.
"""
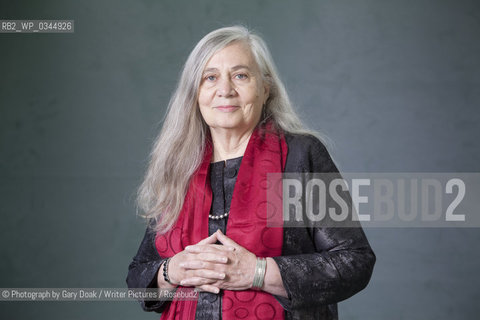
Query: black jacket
x=319 y=266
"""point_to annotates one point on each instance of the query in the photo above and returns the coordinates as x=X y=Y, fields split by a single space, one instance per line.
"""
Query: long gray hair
x=179 y=148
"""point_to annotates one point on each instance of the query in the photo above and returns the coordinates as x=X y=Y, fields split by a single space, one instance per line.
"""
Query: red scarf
x=247 y=225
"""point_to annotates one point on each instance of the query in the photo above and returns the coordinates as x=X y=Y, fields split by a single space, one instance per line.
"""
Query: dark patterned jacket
x=320 y=266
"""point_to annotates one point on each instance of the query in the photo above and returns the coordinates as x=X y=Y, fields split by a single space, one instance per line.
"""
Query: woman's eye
x=210 y=78
x=241 y=76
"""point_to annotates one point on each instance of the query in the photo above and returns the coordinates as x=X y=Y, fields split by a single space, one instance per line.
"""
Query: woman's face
x=232 y=91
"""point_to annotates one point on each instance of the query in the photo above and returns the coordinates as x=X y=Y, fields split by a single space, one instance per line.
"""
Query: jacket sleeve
x=143 y=270
x=334 y=262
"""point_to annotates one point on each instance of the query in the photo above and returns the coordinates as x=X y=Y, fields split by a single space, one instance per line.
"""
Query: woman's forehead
x=233 y=56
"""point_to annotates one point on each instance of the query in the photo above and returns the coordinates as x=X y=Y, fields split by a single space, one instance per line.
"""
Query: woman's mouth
x=227 y=108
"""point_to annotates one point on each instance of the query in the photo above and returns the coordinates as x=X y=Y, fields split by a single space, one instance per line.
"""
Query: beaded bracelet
x=165 y=271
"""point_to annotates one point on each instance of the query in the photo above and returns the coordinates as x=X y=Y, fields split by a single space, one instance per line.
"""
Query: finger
x=203 y=262
x=196 y=281
x=208 y=288
x=196 y=264
x=212 y=239
x=212 y=275
x=208 y=248
x=226 y=240
x=212 y=257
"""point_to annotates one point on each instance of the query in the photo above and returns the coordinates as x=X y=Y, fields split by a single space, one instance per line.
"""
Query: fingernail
x=222 y=275
x=223 y=259
x=231 y=248
x=182 y=264
x=217 y=290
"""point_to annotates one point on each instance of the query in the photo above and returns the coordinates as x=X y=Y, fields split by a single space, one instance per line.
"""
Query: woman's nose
x=225 y=88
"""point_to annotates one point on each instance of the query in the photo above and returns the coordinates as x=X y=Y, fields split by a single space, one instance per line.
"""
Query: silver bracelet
x=259 y=276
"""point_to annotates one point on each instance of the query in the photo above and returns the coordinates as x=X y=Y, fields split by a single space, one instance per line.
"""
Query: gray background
x=393 y=84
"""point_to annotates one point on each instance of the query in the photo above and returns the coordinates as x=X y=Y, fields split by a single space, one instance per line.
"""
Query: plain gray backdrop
x=393 y=84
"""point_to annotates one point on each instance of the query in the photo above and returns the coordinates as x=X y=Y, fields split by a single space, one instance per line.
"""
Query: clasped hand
x=210 y=267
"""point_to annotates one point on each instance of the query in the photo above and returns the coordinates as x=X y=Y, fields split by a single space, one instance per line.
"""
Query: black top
x=223 y=175
x=319 y=266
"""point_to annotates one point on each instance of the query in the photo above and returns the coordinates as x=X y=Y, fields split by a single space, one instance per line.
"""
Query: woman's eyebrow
x=210 y=70
x=235 y=68
x=240 y=66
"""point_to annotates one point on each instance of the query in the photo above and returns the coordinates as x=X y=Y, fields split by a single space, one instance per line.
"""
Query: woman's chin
x=229 y=124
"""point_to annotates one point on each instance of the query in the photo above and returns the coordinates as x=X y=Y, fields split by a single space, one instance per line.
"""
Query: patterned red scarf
x=247 y=224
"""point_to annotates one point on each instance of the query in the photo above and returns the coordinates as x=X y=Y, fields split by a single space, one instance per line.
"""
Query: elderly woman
x=229 y=123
